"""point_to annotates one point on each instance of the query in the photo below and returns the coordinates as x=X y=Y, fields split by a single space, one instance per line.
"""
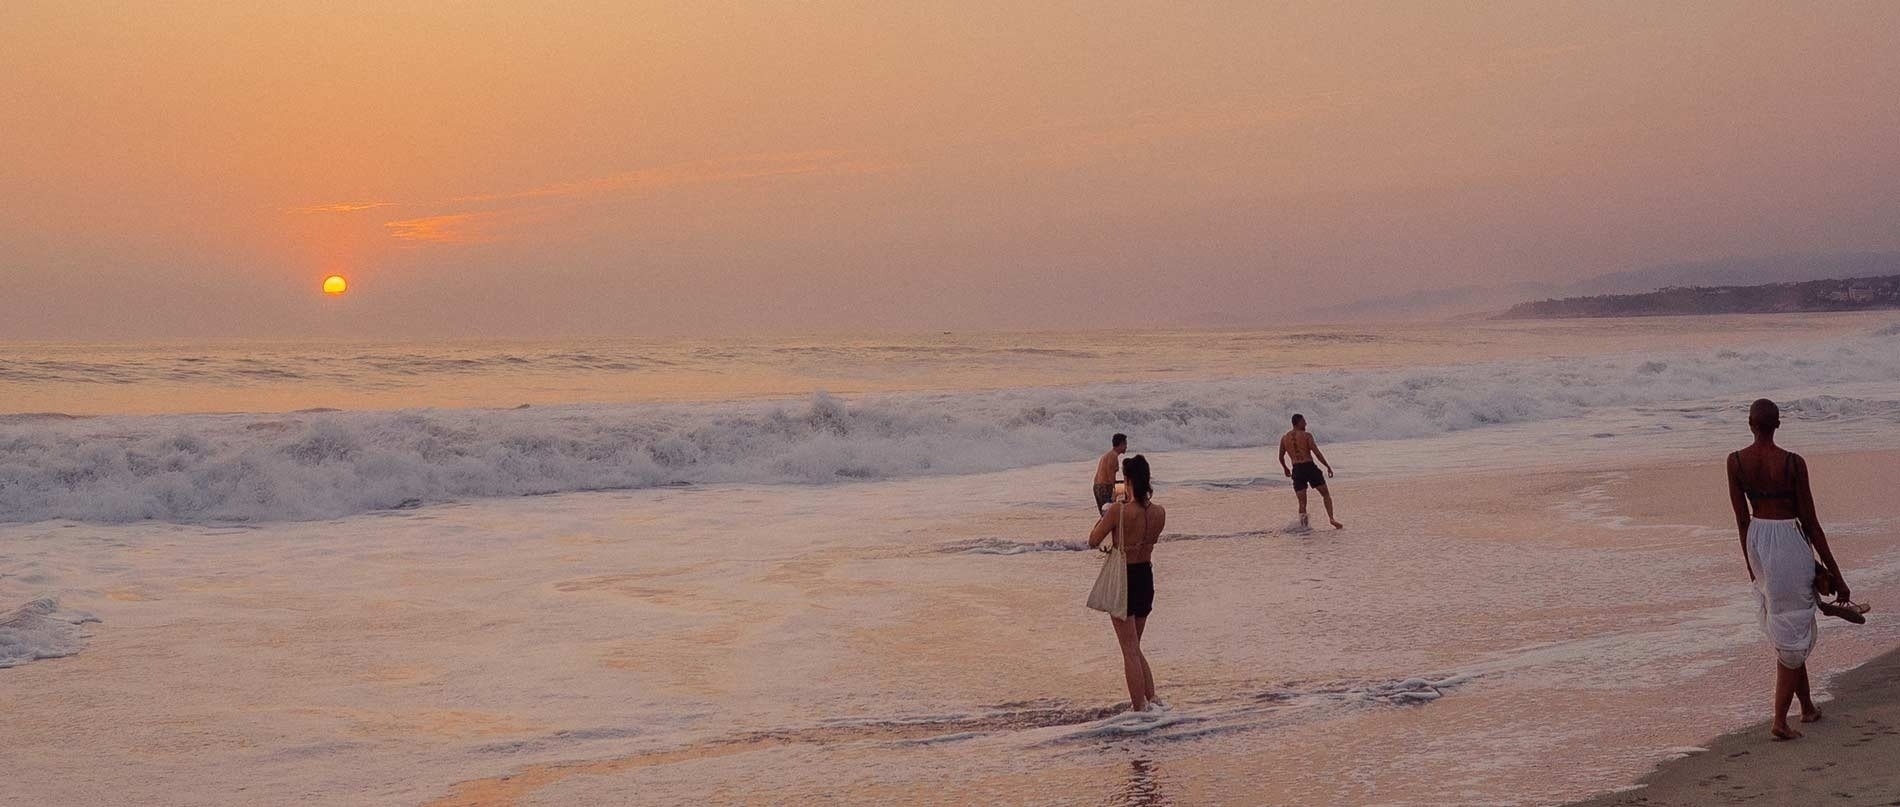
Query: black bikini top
x=1758 y=495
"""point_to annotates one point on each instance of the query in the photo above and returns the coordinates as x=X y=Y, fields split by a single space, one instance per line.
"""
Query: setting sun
x=335 y=284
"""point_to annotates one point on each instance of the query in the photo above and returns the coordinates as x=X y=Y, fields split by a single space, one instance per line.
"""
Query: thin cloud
x=731 y=169
x=342 y=207
x=453 y=228
x=476 y=226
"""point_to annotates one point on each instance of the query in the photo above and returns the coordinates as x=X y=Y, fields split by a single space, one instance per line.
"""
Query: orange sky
x=184 y=169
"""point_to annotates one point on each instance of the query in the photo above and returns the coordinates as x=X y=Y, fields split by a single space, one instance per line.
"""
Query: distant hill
x=1462 y=301
x=1742 y=272
x=1838 y=294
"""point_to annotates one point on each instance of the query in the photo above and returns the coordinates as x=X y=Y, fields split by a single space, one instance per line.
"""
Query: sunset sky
x=198 y=169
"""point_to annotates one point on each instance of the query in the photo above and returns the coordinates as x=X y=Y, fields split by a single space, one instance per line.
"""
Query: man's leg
x=1301 y=494
x=1327 y=497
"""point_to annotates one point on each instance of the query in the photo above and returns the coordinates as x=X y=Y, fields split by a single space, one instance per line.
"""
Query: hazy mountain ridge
x=1464 y=301
x=1837 y=294
x=1830 y=295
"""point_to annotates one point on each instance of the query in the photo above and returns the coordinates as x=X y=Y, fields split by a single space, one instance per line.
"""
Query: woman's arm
x=1740 y=502
x=1104 y=525
x=1811 y=524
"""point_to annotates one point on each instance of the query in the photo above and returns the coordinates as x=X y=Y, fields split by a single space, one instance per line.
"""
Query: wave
x=40 y=630
x=319 y=464
x=1004 y=546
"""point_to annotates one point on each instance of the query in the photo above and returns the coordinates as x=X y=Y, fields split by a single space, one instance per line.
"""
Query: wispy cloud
x=342 y=207
x=452 y=228
x=731 y=169
x=476 y=218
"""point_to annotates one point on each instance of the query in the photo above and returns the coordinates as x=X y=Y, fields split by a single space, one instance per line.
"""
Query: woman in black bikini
x=1780 y=533
x=1136 y=525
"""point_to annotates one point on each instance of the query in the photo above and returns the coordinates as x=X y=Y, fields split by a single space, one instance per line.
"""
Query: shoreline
x=1851 y=756
x=402 y=631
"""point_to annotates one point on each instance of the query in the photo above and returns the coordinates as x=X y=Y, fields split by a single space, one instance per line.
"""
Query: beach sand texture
x=1515 y=635
x=1850 y=757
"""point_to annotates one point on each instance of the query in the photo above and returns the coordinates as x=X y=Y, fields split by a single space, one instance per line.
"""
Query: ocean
x=849 y=568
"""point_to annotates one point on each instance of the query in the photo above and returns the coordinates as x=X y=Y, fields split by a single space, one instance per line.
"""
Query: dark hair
x=1135 y=470
x=1119 y=440
x=1764 y=416
x=1298 y=418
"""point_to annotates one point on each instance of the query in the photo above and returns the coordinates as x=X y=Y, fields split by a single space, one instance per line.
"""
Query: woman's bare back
x=1144 y=525
x=1769 y=476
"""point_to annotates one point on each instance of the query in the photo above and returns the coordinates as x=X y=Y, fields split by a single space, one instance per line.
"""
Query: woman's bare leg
x=1809 y=713
x=1784 y=695
x=1148 y=675
x=1134 y=669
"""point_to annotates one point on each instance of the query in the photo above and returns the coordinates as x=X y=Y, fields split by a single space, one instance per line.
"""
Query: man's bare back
x=1298 y=445
x=1108 y=467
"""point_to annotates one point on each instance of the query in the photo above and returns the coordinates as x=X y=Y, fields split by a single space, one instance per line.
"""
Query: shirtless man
x=1299 y=443
x=1105 y=470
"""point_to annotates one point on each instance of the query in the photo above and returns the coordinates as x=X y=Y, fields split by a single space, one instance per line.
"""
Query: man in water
x=1105 y=470
x=1300 y=444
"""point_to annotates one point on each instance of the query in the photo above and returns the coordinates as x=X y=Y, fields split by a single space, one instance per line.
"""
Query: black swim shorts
x=1141 y=589
x=1104 y=493
x=1307 y=474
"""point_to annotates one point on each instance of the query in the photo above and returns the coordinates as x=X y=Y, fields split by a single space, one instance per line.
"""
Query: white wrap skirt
x=1784 y=587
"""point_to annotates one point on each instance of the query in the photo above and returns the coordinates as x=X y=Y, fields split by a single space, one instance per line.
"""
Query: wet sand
x=1850 y=757
x=380 y=660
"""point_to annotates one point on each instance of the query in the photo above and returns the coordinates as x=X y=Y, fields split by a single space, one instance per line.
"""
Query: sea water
x=850 y=568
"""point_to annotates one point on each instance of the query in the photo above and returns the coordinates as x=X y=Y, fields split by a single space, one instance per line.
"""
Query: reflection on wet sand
x=1142 y=788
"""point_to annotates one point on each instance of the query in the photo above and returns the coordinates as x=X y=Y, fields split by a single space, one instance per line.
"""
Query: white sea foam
x=40 y=630
x=317 y=464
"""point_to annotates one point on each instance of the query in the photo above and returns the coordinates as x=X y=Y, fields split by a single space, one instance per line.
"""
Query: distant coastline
x=1843 y=294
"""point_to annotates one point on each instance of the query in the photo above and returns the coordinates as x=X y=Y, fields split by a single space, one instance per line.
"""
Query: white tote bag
x=1110 y=594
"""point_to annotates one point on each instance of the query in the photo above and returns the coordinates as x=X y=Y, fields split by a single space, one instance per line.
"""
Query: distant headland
x=1845 y=294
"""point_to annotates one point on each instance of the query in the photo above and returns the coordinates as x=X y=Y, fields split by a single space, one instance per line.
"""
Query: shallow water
x=1515 y=614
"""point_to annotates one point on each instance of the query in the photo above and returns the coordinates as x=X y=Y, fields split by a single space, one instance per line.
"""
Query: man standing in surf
x=1105 y=470
x=1300 y=444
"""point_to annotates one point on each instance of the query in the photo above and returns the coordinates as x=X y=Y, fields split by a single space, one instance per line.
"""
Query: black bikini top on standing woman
x=1758 y=495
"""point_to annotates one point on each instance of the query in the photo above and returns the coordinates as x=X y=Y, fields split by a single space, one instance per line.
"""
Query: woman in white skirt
x=1774 y=512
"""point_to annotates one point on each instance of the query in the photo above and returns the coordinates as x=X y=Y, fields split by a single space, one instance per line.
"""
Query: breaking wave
x=326 y=464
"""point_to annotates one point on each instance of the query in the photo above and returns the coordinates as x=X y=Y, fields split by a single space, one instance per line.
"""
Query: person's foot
x=1303 y=521
x=1338 y=526
x=1811 y=714
x=1155 y=705
x=1783 y=731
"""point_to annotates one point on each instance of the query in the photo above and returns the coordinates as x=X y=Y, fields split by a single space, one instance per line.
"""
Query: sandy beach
x=554 y=404
x=1525 y=635
x=1850 y=757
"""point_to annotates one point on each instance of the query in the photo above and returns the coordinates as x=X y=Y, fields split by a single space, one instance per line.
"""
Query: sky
x=186 y=169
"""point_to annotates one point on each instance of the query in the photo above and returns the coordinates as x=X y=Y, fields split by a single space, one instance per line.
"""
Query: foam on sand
x=41 y=630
